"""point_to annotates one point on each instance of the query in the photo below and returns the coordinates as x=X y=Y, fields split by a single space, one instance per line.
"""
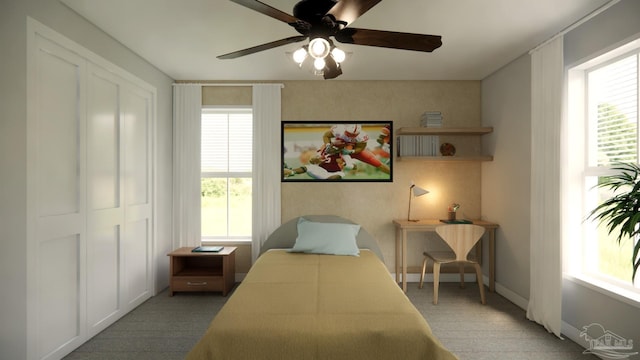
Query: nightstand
x=202 y=271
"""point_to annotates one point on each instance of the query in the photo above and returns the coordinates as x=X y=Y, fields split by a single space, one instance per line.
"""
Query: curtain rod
x=586 y=18
x=228 y=84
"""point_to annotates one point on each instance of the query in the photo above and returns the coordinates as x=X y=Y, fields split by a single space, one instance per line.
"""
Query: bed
x=319 y=296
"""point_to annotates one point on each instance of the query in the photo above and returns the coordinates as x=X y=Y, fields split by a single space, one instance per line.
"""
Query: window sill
x=624 y=295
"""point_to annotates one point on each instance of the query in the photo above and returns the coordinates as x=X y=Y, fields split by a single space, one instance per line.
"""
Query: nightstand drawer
x=197 y=283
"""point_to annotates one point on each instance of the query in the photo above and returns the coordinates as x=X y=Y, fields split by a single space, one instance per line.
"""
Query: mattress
x=307 y=306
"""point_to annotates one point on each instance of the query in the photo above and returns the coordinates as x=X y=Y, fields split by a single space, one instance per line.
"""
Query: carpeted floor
x=498 y=330
x=167 y=327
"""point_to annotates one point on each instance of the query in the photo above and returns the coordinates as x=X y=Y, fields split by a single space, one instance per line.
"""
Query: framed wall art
x=337 y=151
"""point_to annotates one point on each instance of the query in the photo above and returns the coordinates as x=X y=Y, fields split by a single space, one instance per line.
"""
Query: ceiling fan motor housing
x=312 y=11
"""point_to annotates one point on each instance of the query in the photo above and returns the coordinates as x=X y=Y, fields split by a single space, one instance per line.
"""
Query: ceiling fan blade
x=349 y=10
x=389 y=39
x=267 y=10
x=266 y=46
x=331 y=69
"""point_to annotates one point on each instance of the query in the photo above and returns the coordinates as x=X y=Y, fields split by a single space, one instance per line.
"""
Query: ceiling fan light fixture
x=319 y=63
x=300 y=55
x=319 y=48
x=338 y=55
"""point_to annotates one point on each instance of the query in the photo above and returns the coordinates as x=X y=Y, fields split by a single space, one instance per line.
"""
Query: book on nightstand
x=208 y=249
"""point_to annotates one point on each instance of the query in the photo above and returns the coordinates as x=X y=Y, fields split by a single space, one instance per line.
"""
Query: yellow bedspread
x=302 y=306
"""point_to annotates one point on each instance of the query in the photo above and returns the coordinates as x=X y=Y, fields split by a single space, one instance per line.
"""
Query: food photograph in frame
x=337 y=151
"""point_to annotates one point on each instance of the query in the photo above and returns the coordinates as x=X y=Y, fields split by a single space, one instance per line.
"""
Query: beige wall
x=375 y=205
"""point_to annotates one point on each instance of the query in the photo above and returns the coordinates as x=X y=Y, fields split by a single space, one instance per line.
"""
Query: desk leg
x=398 y=255
x=404 y=260
x=492 y=260
x=479 y=251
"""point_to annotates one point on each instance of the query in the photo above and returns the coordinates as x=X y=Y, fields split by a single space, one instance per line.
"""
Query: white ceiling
x=183 y=37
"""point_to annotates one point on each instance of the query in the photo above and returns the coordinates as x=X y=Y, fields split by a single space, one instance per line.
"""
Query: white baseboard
x=566 y=329
x=574 y=334
x=449 y=277
x=510 y=295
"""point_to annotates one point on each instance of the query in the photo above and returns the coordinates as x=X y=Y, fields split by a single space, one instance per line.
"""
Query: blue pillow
x=326 y=238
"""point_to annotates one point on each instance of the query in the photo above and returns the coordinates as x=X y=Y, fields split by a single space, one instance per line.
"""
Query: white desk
x=405 y=226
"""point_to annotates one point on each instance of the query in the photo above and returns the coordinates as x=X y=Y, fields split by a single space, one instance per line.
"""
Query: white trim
x=154 y=191
x=628 y=297
x=576 y=229
x=428 y=278
x=572 y=334
x=512 y=296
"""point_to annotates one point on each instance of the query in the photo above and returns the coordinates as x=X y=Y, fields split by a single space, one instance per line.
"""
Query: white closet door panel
x=58 y=226
x=103 y=277
x=103 y=140
x=137 y=117
x=56 y=167
x=105 y=215
x=137 y=266
x=59 y=293
x=59 y=115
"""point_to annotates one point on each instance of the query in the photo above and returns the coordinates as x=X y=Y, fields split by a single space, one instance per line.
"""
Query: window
x=226 y=164
x=602 y=129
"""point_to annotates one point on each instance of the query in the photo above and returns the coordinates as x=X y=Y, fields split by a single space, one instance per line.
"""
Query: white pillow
x=326 y=238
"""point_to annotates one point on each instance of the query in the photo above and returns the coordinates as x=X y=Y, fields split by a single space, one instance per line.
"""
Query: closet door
x=105 y=213
x=137 y=115
x=55 y=200
x=89 y=193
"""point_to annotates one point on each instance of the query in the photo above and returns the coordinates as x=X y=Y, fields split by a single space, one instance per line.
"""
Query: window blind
x=613 y=112
x=226 y=142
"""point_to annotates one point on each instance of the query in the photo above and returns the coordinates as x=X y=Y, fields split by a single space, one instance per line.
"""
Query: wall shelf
x=437 y=131
x=444 y=131
x=446 y=158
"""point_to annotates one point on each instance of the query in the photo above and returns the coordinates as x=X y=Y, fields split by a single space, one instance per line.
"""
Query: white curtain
x=266 y=163
x=187 y=109
x=545 y=298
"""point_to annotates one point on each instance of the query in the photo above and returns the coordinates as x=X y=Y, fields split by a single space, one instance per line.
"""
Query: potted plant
x=621 y=212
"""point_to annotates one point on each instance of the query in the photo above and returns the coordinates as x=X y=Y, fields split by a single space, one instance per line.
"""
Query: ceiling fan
x=321 y=20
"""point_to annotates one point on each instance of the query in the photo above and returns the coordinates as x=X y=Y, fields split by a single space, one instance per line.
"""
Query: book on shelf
x=431 y=119
x=418 y=145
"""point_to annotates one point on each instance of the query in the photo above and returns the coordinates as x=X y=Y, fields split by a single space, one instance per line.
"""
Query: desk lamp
x=414 y=191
